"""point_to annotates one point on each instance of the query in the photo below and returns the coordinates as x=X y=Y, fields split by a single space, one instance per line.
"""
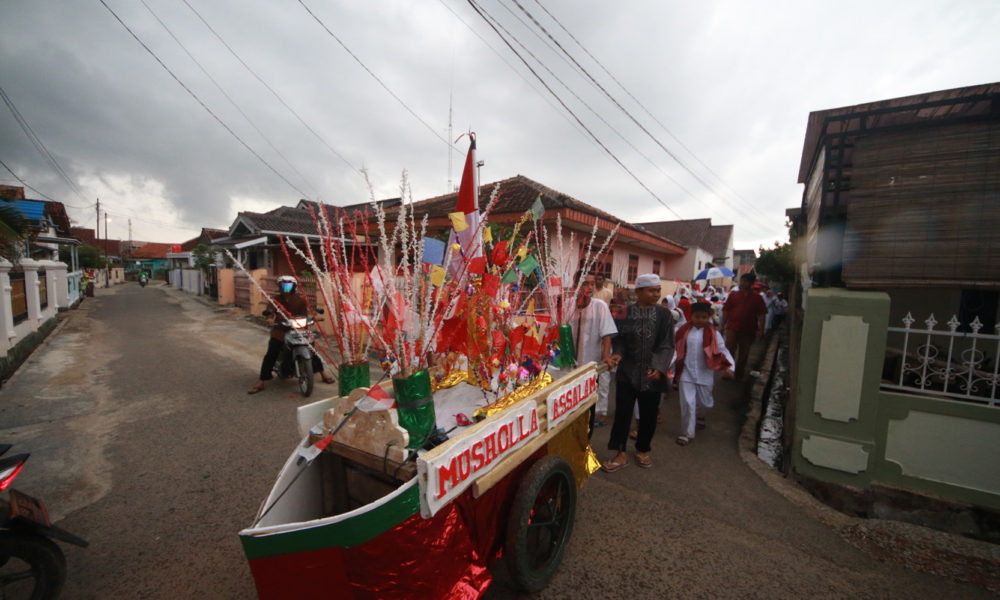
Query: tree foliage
x=203 y=256
x=776 y=264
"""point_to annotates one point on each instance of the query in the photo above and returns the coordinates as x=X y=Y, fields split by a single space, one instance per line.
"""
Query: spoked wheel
x=304 y=367
x=541 y=521
x=31 y=567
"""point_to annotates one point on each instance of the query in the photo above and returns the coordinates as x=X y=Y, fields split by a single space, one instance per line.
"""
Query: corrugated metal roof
x=33 y=210
x=972 y=101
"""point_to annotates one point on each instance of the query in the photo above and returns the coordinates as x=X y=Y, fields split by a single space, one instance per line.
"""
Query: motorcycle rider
x=295 y=305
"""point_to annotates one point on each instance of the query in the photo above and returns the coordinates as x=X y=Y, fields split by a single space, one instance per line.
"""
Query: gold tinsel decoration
x=535 y=385
x=572 y=444
x=451 y=380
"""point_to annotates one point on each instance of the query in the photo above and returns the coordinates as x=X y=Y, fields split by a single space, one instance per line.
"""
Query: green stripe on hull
x=349 y=532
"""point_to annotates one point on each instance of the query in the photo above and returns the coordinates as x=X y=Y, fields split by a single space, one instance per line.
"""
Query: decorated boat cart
x=368 y=518
x=475 y=447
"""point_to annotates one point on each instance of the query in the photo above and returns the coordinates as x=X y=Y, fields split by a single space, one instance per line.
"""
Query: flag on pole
x=376 y=399
x=467 y=205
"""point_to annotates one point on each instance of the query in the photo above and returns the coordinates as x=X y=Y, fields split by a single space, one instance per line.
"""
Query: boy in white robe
x=701 y=350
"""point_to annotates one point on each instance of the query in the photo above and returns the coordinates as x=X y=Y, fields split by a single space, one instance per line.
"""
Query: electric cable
x=636 y=100
x=273 y=91
x=228 y=97
x=37 y=143
x=588 y=107
x=24 y=183
x=480 y=12
x=376 y=78
x=203 y=105
x=527 y=81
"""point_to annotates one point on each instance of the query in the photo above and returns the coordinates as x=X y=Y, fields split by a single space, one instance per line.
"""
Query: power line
x=585 y=104
x=37 y=143
x=273 y=92
x=527 y=81
x=481 y=12
x=228 y=97
x=636 y=100
x=23 y=182
x=203 y=105
x=376 y=78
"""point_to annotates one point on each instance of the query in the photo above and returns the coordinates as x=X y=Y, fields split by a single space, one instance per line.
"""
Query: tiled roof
x=700 y=233
x=284 y=219
x=205 y=237
x=83 y=234
x=517 y=195
x=152 y=250
x=690 y=232
x=717 y=240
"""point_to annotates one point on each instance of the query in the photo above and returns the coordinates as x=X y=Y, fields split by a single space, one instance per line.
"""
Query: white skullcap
x=647 y=280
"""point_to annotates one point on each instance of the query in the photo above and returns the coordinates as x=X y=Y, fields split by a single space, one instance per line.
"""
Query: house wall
x=850 y=431
x=620 y=259
x=685 y=268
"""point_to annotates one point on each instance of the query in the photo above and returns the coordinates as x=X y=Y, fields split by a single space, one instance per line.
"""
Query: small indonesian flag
x=375 y=399
x=310 y=453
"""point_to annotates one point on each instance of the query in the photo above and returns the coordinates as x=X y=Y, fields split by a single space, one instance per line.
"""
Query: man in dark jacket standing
x=642 y=350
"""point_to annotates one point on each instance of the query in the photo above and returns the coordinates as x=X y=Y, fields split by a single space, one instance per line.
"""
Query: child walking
x=700 y=351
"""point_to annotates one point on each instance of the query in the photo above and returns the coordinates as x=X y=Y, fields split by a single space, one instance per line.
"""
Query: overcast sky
x=724 y=86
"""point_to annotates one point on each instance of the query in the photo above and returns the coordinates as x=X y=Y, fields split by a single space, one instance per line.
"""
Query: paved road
x=144 y=441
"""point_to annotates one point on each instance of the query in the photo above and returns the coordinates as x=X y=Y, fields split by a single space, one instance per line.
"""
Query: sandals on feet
x=633 y=435
x=256 y=388
x=611 y=466
x=683 y=440
x=643 y=460
x=699 y=423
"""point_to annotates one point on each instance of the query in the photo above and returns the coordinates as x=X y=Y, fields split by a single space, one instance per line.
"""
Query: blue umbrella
x=714 y=273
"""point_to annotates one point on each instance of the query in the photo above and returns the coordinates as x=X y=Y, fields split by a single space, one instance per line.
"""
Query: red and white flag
x=311 y=452
x=376 y=399
x=467 y=211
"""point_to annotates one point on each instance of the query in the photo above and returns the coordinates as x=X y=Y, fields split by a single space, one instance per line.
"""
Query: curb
x=919 y=548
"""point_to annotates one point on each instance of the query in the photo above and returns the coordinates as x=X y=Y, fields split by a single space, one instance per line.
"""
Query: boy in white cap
x=642 y=349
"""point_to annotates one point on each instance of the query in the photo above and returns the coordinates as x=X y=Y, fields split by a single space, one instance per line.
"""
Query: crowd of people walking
x=657 y=346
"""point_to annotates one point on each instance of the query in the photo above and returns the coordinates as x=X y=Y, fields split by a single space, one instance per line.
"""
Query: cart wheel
x=540 y=523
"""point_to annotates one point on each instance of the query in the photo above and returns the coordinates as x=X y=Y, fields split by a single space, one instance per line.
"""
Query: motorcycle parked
x=296 y=358
x=31 y=565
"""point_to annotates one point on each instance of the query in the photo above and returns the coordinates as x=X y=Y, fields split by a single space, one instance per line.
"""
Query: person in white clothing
x=593 y=328
x=700 y=350
x=769 y=301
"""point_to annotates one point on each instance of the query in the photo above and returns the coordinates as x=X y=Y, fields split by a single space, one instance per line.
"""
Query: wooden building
x=903 y=196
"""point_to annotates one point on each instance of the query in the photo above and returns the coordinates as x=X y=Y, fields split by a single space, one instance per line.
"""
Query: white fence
x=189 y=280
x=959 y=363
x=29 y=297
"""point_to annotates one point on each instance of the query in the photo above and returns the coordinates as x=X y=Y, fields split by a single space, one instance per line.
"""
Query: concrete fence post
x=840 y=366
x=58 y=284
x=6 y=308
x=30 y=268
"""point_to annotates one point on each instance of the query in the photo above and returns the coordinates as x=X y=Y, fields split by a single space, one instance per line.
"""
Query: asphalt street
x=144 y=442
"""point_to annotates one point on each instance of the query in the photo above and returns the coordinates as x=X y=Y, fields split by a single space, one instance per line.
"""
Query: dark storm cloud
x=735 y=85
